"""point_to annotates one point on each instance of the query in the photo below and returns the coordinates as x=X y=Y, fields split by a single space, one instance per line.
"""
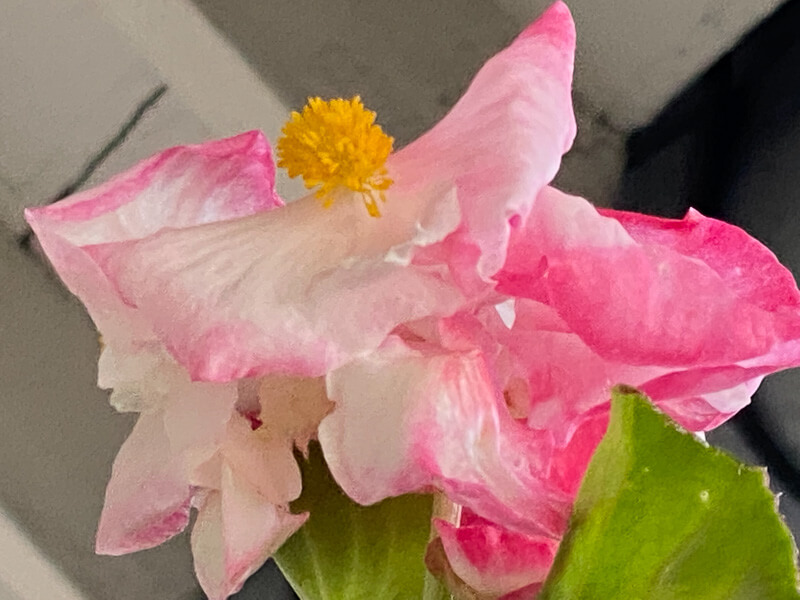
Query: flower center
x=335 y=144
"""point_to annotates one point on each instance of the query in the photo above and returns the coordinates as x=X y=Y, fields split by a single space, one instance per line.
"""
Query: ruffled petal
x=182 y=427
x=744 y=264
x=236 y=530
x=299 y=290
x=557 y=380
x=138 y=380
x=180 y=187
x=563 y=377
x=437 y=420
x=503 y=141
x=196 y=418
x=148 y=497
x=704 y=398
x=494 y=561
x=570 y=460
x=265 y=461
x=694 y=312
x=647 y=292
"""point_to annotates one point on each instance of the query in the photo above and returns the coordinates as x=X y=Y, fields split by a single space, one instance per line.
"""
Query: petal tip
x=555 y=23
x=115 y=538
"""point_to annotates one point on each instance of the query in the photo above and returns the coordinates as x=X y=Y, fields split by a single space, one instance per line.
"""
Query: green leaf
x=351 y=552
x=661 y=516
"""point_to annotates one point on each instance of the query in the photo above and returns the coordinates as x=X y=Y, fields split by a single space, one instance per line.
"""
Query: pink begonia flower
x=468 y=338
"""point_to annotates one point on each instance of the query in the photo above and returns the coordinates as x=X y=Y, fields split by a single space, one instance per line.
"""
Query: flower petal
x=704 y=398
x=693 y=312
x=492 y=560
x=743 y=263
x=148 y=497
x=179 y=187
x=138 y=380
x=235 y=532
x=298 y=290
x=503 y=141
x=437 y=420
x=565 y=380
x=196 y=418
x=265 y=461
x=671 y=294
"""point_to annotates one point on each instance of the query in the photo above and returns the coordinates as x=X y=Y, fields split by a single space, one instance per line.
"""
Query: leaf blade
x=661 y=516
x=347 y=551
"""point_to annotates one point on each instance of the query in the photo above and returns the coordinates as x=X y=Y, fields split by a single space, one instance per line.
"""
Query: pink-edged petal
x=196 y=418
x=745 y=265
x=570 y=461
x=565 y=380
x=180 y=187
x=437 y=420
x=139 y=379
x=298 y=290
x=265 y=461
x=503 y=141
x=704 y=398
x=493 y=560
x=148 y=497
x=182 y=427
x=235 y=532
x=652 y=303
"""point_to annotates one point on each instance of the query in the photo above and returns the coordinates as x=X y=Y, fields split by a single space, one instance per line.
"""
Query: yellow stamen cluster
x=336 y=145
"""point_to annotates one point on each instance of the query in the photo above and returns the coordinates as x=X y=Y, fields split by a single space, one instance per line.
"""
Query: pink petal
x=679 y=296
x=570 y=461
x=745 y=265
x=503 y=141
x=265 y=461
x=694 y=312
x=148 y=496
x=564 y=380
x=180 y=187
x=196 y=418
x=235 y=532
x=526 y=593
x=494 y=561
x=704 y=398
x=409 y=419
x=298 y=290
